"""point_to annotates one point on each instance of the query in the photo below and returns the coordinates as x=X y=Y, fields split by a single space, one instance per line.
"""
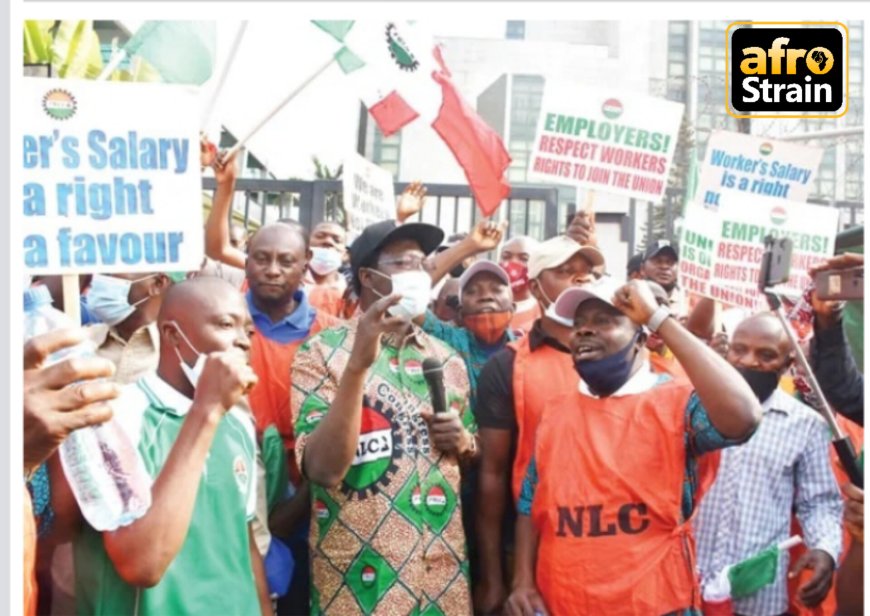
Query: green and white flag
x=182 y=52
x=748 y=576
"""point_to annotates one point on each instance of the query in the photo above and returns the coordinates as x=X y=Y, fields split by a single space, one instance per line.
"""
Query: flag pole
x=241 y=143
x=114 y=61
x=223 y=76
x=790 y=543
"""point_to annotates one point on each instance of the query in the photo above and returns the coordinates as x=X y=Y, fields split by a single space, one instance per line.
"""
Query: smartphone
x=775 y=263
x=840 y=284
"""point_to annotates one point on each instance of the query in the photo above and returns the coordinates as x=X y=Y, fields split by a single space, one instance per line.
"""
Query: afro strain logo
x=59 y=104
x=378 y=447
x=399 y=50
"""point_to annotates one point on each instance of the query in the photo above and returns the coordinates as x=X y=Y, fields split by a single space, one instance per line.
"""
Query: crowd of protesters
x=599 y=446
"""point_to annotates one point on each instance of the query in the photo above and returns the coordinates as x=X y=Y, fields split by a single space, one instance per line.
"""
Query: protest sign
x=750 y=165
x=743 y=225
x=368 y=193
x=111 y=177
x=610 y=140
x=697 y=242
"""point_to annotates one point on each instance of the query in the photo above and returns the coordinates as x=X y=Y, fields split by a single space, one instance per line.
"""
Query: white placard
x=610 y=140
x=368 y=193
x=111 y=177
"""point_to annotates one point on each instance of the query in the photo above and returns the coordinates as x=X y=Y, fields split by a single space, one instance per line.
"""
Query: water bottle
x=103 y=468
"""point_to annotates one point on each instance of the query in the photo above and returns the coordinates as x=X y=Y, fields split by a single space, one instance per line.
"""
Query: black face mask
x=763 y=384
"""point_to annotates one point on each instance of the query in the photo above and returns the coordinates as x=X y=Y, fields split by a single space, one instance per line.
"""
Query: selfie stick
x=842 y=444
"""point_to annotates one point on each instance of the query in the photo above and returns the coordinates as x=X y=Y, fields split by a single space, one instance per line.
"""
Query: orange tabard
x=607 y=505
x=523 y=321
x=29 y=572
x=538 y=375
x=667 y=365
x=326 y=299
x=828 y=607
x=270 y=397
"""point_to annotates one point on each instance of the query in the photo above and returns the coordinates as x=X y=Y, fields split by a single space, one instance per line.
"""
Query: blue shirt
x=292 y=328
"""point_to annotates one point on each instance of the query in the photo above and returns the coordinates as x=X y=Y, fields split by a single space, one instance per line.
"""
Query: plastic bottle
x=104 y=471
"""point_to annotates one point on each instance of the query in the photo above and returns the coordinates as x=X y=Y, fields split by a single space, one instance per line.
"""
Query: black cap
x=634 y=264
x=377 y=235
x=660 y=246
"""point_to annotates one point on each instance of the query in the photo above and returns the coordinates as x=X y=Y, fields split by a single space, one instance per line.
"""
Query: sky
x=323 y=119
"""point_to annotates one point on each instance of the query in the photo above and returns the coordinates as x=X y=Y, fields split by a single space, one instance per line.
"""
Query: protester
x=324 y=283
x=193 y=550
x=486 y=309
x=515 y=256
x=446 y=306
x=609 y=493
x=660 y=265
x=784 y=466
x=127 y=306
x=850 y=577
x=633 y=267
x=58 y=399
x=384 y=470
x=509 y=387
x=831 y=358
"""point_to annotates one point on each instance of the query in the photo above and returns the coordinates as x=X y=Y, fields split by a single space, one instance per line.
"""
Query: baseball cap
x=571 y=298
x=556 y=251
x=660 y=246
x=482 y=266
x=377 y=235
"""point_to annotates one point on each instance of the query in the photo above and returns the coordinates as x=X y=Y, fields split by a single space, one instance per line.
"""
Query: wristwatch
x=658 y=317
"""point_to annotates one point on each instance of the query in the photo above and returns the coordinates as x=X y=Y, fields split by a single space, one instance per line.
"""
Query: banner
x=721 y=252
x=610 y=140
x=757 y=166
x=743 y=226
x=368 y=193
x=111 y=177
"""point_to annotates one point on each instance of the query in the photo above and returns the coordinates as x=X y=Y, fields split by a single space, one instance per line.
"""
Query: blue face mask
x=108 y=298
x=606 y=375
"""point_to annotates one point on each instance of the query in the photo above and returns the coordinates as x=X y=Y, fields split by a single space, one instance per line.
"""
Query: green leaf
x=75 y=52
x=37 y=41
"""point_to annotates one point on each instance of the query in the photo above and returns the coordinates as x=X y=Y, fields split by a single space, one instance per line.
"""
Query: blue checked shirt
x=784 y=467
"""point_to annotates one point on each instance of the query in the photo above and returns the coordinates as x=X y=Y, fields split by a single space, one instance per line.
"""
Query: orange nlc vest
x=326 y=300
x=538 y=375
x=29 y=573
x=608 y=505
x=525 y=320
x=667 y=365
x=828 y=607
x=270 y=397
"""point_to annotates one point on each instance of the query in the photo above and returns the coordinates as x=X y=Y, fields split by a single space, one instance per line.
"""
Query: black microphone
x=433 y=372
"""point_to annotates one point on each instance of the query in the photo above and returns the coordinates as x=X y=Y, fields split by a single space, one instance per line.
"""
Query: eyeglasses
x=406 y=262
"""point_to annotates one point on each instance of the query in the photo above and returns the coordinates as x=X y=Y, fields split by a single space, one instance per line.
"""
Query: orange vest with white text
x=828 y=607
x=608 y=505
x=270 y=397
x=537 y=376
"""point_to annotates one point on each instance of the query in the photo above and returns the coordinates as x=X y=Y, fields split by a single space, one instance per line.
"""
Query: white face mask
x=191 y=372
x=324 y=260
x=108 y=298
x=415 y=287
x=550 y=312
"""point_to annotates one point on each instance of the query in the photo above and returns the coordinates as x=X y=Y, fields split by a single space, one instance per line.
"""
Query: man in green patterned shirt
x=385 y=470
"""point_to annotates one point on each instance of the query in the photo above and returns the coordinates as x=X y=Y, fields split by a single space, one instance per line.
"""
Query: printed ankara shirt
x=389 y=538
